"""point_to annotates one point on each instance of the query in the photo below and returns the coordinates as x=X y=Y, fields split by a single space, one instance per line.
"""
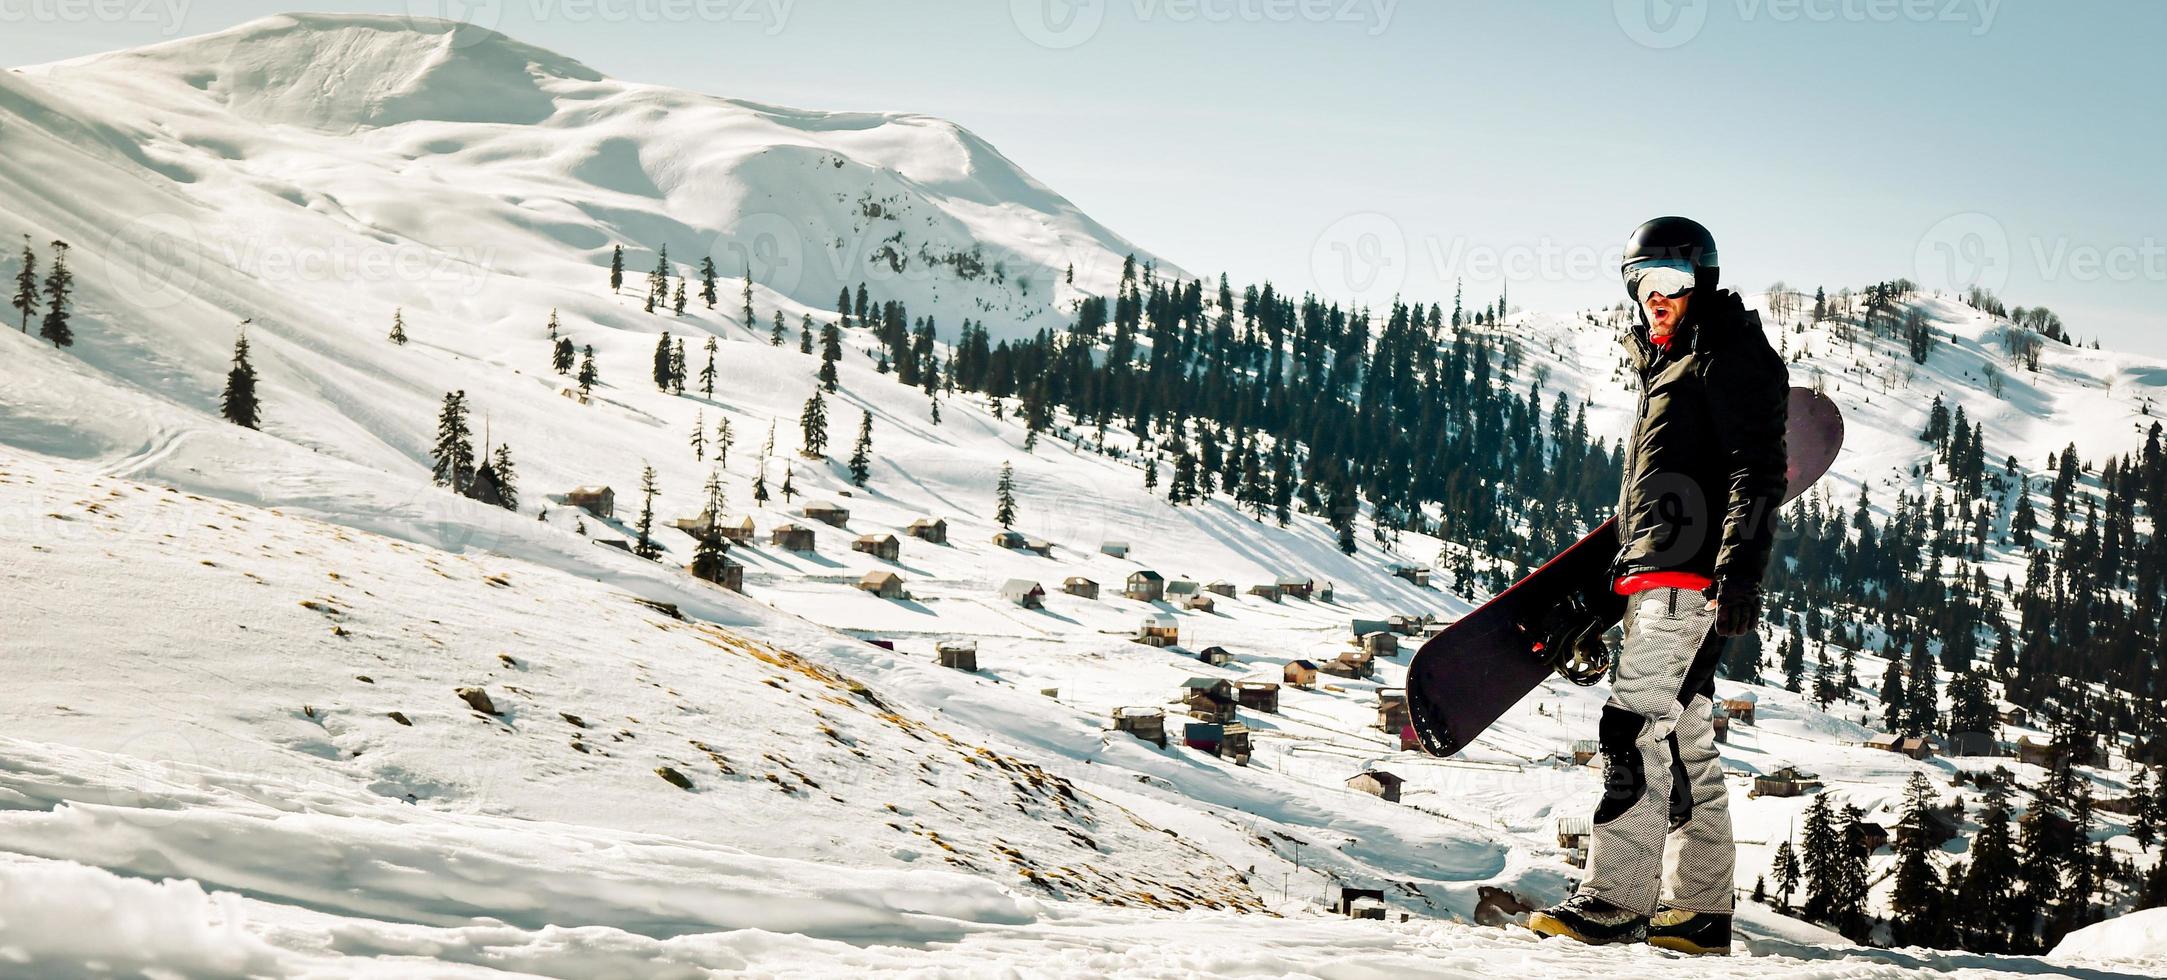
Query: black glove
x=1738 y=606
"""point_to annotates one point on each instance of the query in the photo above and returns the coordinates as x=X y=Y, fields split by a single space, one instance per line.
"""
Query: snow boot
x=1696 y=933
x=1590 y=920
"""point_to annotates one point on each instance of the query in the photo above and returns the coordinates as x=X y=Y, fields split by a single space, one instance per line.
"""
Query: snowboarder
x=1704 y=474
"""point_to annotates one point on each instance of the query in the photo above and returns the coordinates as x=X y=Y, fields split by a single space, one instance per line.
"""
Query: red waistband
x=1642 y=582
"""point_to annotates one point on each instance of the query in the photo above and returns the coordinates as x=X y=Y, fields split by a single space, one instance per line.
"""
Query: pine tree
x=1787 y=873
x=1004 y=497
x=677 y=367
x=658 y=281
x=454 y=452
x=935 y=413
x=1916 y=901
x=707 y=374
x=645 y=545
x=561 y=357
x=553 y=324
x=588 y=375
x=805 y=334
x=723 y=439
x=677 y=301
x=842 y=307
x=617 y=269
x=26 y=286
x=708 y=294
x=745 y=299
x=663 y=374
x=861 y=455
x=813 y=426
x=507 y=479
x=790 y=482
x=699 y=435
x=1151 y=472
x=238 y=404
x=759 y=486
x=1987 y=910
x=831 y=351
x=1823 y=847
x=398 y=326
x=59 y=284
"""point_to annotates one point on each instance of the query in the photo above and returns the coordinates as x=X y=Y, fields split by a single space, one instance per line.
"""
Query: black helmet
x=1673 y=240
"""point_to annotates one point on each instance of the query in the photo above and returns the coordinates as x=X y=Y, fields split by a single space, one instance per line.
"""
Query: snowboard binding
x=1571 y=641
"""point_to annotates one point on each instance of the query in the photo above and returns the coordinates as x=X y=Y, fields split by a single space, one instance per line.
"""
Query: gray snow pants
x=1664 y=802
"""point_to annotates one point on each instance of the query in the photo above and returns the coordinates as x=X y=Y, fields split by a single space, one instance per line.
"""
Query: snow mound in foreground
x=2139 y=937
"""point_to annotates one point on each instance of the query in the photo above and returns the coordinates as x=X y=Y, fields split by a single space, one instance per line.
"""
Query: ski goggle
x=1670 y=277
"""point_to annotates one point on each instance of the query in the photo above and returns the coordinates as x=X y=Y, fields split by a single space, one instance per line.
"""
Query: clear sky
x=1366 y=147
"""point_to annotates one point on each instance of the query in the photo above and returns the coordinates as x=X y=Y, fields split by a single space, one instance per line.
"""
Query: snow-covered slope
x=225 y=621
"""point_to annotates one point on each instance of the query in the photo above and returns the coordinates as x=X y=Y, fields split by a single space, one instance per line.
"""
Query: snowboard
x=1469 y=674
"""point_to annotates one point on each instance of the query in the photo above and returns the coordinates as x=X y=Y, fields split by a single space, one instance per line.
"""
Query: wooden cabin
x=694 y=527
x=931 y=530
x=2010 y=713
x=1873 y=835
x=1574 y=831
x=887 y=585
x=958 y=654
x=1359 y=903
x=1258 y=695
x=1145 y=585
x=598 y=501
x=1220 y=587
x=1406 y=625
x=1228 y=740
x=827 y=512
x=1301 y=674
x=1216 y=656
x=1114 y=549
x=881 y=546
x=1377 y=783
x=1038 y=546
x=1381 y=644
x=1787 y=781
x=1585 y=749
x=1209 y=698
x=1364 y=627
x=1012 y=540
x=1973 y=744
x=1158 y=630
x=728 y=574
x=1077 y=585
x=1268 y=592
x=1324 y=592
x=1024 y=592
x=1740 y=708
x=1392 y=714
x=1353 y=663
x=792 y=537
x=735 y=530
x=1148 y=724
x=1188 y=595
x=1416 y=574
x=2042 y=754
x=1722 y=725
x=1297 y=586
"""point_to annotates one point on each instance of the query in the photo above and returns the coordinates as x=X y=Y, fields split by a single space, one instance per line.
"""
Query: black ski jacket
x=1705 y=470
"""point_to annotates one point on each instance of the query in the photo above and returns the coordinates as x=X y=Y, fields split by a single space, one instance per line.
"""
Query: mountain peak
x=342 y=72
